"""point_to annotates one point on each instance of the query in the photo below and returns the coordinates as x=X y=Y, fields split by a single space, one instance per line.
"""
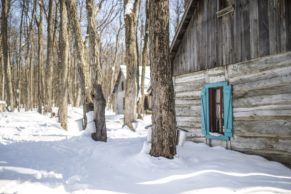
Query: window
x=216 y=110
x=216 y=100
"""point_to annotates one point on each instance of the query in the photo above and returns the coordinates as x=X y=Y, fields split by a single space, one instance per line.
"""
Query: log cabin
x=231 y=65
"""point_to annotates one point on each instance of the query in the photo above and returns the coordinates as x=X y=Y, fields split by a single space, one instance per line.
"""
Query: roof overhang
x=182 y=28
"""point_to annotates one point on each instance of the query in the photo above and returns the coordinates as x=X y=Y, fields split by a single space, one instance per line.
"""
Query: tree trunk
x=116 y=67
x=5 y=50
x=163 y=117
x=40 y=74
x=28 y=58
x=3 y=75
x=98 y=97
x=83 y=67
x=130 y=17
x=144 y=62
x=63 y=66
x=19 y=62
x=50 y=60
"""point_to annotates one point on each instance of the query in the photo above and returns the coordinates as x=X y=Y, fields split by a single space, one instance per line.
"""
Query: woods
x=68 y=53
x=145 y=96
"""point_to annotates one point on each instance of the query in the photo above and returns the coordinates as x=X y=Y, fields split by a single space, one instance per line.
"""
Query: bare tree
x=5 y=50
x=49 y=62
x=130 y=18
x=97 y=93
x=163 y=117
x=144 y=62
x=19 y=61
x=40 y=74
x=178 y=9
x=63 y=65
x=83 y=67
x=176 y=12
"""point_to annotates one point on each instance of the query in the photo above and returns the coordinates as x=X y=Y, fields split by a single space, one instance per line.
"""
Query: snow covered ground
x=37 y=156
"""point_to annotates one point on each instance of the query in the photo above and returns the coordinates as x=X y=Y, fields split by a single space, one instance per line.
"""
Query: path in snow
x=37 y=156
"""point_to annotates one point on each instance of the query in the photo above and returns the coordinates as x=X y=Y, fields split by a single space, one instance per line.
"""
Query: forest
x=60 y=53
x=142 y=96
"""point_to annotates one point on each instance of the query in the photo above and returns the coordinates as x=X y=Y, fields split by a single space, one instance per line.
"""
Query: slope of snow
x=37 y=156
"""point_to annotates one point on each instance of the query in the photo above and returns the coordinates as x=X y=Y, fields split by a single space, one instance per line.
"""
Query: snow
x=129 y=7
x=215 y=134
x=37 y=156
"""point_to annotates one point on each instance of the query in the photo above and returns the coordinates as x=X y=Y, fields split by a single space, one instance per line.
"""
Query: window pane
x=216 y=109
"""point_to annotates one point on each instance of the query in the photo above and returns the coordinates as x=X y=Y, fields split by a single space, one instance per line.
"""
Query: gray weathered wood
x=259 y=128
x=255 y=28
x=249 y=48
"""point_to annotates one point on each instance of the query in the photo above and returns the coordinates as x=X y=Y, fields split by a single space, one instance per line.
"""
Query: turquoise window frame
x=228 y=114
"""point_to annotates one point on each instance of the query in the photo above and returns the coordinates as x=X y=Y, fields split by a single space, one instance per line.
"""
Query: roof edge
x=183 y=25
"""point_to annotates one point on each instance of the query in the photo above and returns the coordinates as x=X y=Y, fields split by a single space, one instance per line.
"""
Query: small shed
x=119 y=90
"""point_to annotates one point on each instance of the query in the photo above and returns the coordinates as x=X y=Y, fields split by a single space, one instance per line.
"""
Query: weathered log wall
x=251 y=29
x=261 y=104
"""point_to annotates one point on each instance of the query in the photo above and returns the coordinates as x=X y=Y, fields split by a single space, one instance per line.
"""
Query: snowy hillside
x=37 y=156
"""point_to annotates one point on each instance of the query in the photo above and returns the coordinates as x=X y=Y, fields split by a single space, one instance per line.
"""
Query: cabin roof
x=182 y=28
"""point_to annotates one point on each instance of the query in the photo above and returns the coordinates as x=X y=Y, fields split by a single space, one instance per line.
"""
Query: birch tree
x=130 y=19
x=163 y=117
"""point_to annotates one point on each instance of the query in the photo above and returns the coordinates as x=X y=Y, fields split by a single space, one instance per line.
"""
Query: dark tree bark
x=163 y=117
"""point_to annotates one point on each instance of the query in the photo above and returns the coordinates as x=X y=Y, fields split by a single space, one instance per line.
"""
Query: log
x=261 y=128
x=274 y=144
x=279 y=99
x=186 y=102
x=261 y=111
x=191 y=77
x=272 y=90
x=262 y=75
x=189 y=86
x=188 y=111
x=259 y=64
x=262 y=84
x=189 y=94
